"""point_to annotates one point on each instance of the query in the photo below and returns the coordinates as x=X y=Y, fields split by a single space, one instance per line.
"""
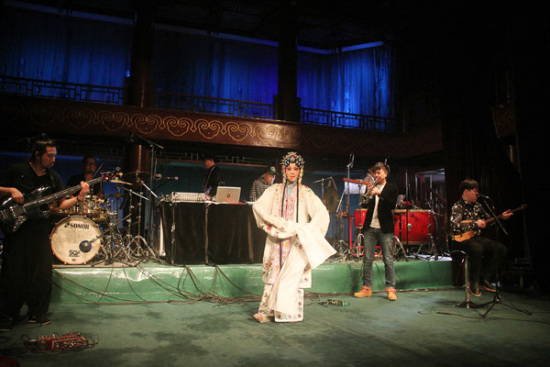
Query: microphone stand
x=152 y=172
x=348 y=167
x=496 y=298
x=322 y=181
x=489 y=207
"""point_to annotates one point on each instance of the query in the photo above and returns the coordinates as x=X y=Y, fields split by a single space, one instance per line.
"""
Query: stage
x=155 y=281
x=152 y=313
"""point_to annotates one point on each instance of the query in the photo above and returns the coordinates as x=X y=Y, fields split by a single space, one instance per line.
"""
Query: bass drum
x=413 y=226
x=75 y=240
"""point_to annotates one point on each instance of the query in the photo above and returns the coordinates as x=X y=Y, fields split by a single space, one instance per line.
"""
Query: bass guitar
x=13 y=215
x=471 y=234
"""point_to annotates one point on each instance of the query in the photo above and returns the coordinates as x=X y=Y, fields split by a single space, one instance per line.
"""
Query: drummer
x=89 y=170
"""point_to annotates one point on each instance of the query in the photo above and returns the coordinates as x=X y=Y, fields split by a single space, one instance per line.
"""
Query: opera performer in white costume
x=295 y=221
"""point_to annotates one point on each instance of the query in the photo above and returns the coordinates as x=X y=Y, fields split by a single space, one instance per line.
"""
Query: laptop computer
x=228 y=194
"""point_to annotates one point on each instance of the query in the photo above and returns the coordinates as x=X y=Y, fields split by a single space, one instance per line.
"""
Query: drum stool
x=462 y=257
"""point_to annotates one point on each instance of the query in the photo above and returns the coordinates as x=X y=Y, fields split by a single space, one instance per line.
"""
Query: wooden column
x=139 y=86
x=287 y=103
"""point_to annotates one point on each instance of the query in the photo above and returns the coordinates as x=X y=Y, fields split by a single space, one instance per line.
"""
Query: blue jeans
x=372 y=236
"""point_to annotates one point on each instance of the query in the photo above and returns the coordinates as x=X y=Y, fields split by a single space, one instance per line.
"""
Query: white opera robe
x=309 y=248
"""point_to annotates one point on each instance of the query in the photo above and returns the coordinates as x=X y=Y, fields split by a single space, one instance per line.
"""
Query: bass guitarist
x=26 y=275
x=468 y=218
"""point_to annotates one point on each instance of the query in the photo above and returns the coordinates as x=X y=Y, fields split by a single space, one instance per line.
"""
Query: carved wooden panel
x=32 y=115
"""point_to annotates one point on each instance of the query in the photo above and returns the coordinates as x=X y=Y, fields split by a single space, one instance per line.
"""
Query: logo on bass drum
x=77 y=225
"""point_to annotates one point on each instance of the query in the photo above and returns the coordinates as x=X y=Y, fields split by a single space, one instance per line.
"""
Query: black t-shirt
x=22 y=177
x=212 y=180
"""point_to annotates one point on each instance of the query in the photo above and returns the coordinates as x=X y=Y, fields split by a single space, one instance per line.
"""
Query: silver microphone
x=159 y=176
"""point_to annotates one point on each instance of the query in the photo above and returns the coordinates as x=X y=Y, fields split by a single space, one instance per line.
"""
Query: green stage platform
x=153 y=281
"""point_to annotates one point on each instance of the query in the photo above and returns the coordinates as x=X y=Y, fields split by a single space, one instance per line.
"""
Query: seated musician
x=468 y=218
x=89 y=170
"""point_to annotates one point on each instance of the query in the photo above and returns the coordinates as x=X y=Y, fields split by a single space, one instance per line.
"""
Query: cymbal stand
x=430 y=238
x=399 y=248
x=359 y=244
x=114 y=247
x=112 y=220
x=133 y=244
x=152 y=173
x=398 y=245
x=341 y=246
x=150 y=249
x=358 y=248
x=113 y=241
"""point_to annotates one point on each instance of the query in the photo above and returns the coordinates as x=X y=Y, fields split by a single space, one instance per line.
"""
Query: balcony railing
x=223 y=106
x=186 y=102
x=59 y=90
x=347 y=120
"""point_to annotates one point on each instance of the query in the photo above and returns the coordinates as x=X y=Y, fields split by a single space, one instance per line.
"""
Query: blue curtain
x=214 y=67
x=353 y=82
x=59 y=48
x=66 y=49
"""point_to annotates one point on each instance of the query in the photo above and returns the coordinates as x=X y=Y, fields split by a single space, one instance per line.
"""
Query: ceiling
x=320 y=24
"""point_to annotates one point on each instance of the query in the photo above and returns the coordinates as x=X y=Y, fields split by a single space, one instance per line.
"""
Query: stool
x=462 y=256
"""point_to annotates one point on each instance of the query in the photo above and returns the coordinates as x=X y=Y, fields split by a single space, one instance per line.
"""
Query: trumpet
x=371 y=184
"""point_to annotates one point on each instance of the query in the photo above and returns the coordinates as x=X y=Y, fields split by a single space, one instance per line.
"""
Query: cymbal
x=117 y=195
x=330 y=199
x=117 y=181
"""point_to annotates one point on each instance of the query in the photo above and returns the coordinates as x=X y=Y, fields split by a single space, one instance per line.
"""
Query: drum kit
x=92 y=231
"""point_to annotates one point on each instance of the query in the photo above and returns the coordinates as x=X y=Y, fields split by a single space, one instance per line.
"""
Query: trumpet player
x=379 y=198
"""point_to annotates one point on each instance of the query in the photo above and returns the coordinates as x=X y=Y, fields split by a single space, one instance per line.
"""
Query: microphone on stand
x=159 y=176
x=351 y=159
x=481 y=196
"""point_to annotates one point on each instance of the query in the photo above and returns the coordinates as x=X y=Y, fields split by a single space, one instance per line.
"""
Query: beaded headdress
x=288 y=159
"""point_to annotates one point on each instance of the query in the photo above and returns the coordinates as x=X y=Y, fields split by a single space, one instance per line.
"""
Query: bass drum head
x=75 y=240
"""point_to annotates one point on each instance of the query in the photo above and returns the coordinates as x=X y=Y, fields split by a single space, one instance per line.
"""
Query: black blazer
x=388 y=199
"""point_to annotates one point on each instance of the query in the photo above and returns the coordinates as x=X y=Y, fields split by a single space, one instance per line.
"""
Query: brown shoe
x=364 y=292
x=474 y=289
x=486 y=286
x=391 y=294
x=475 y=292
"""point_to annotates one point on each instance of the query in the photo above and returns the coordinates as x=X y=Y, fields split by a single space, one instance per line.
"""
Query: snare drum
x=413 y=226
x=93 y=207
x=75 y=240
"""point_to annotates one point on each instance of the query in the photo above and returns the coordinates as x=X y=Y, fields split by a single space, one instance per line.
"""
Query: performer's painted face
x=292 y=172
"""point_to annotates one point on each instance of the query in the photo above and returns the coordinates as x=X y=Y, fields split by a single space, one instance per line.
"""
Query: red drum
x=413 y=226
x=360 y=215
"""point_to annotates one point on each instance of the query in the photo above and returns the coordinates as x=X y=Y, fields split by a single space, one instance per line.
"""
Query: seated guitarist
x=468 y=218
x=26 y=274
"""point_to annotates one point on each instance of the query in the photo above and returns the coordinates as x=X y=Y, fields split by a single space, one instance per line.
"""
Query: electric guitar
x=13 y=215
x=471 y=234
